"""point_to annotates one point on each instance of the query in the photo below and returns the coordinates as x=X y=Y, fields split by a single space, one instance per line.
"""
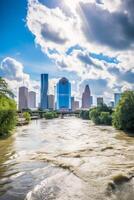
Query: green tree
x=8 y=117
x=105 y=118
x=94 y=115
x=27 y=116
x=49 y=115
x=84 y=114
x=123 y=117
x=4 y=90
x=101 y=115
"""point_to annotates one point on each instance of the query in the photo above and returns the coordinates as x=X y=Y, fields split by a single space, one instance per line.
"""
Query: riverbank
x=66 y=159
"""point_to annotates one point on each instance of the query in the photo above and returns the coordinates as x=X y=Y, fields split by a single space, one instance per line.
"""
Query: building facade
x=32 y=99
x=72 y=104
x=76 y=105
x=87 y=99
x=100 y=101
x=51 y=102
x=44 y=92
x=23 y=98
x=117 y=97
x=63 y=94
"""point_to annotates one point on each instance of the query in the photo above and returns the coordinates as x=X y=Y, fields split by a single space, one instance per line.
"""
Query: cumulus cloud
x=13 y=72
x=92 y=38
x=114 y=29
x=12 y=69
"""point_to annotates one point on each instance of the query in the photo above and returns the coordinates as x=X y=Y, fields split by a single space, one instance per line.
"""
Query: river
x=67 y=159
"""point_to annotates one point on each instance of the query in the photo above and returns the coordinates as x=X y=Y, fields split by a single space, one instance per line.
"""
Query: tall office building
x=23 y=98
x=76 y=105
x=72 y=104
x=87 y=99
x=31 y=99
x=44 y=92
x=63 y=94
x=99 y=101
x=117 y=97
x=51 y=102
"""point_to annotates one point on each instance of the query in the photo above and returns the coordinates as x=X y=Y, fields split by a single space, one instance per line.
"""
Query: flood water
x=67 y=159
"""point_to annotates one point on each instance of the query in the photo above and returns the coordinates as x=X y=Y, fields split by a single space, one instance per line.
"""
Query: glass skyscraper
x=44 y=92
x=117 y=97
x=63 y=94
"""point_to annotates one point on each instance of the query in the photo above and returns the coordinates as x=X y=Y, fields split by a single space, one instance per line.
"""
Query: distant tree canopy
x=123 y=117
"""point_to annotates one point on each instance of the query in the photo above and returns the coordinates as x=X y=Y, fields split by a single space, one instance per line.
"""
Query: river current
x=67 y=159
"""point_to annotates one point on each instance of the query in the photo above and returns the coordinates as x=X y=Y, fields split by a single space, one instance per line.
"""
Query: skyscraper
x=51 y=103
x=31 y=99
x=99 y=101
x=87 y=99
x=44 y=92
x=23 y=98
x=72 y=103
x=76 y=105
x=63 y=94
x=117 y=97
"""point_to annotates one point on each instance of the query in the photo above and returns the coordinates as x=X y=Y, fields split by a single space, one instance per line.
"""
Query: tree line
x=122 y=117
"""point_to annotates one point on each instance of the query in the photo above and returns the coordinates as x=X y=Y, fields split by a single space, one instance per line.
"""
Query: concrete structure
x=32 y=100
x=51 y=102
x=72 y=104
x=63 y=94
x=23 y=98
x=44 y=92
x=99 y=101
x=87 y=99
x=76 y=105
x=117 y=97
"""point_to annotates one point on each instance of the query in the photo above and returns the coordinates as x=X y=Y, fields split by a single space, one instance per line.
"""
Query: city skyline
x=67 y=44
x=62 y=98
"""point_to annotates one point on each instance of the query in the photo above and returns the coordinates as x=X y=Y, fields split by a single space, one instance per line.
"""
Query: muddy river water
x=67 y=159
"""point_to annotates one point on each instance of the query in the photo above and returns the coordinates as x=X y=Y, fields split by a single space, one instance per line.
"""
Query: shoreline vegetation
x=122 y=117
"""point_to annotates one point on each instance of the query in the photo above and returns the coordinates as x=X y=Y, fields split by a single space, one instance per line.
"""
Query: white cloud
x=13 y=72
x=87 y=25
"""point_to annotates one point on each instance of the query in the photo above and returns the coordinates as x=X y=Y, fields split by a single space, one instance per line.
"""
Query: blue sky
x=17 y=41
x=88 y=42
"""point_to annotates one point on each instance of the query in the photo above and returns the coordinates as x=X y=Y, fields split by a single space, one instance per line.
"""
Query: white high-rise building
x=23 y=98
x=51 y=102
x=32 y=99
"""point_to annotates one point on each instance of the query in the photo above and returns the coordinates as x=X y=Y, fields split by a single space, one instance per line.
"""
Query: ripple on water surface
x=68 y=159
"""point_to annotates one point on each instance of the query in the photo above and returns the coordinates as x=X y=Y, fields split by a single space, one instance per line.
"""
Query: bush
x=123 y=117
x=84 y=114
x=105 y=118
x=49 y=115
x=101 y=115
x=27 y=116
x=8 y=116
x=95 y=115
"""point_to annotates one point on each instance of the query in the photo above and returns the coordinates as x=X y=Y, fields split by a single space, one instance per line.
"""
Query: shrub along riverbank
x=8 y=116
x=122 y=117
